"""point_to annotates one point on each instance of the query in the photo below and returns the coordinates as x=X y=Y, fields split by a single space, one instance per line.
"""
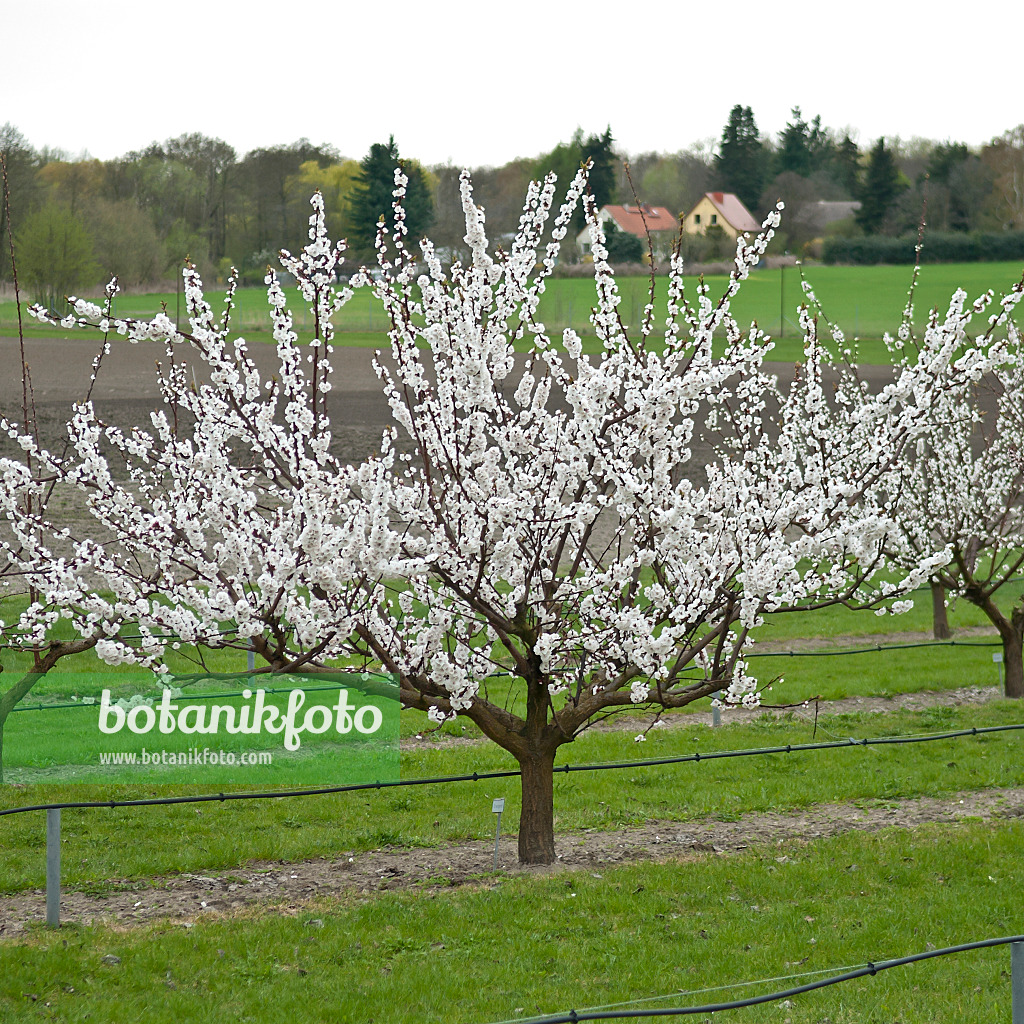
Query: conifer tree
x=740 y=163
x=846 y=165
x=880 y=188
x=794 y=152
x=372 y=196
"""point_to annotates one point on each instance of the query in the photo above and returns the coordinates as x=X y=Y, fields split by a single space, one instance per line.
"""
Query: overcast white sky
x=482 y=82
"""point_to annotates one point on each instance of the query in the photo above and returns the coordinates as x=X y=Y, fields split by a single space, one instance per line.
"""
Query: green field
x=225 y=836
x=865 y=302
x=612 y=934
x=507 y=949
x=440 y=954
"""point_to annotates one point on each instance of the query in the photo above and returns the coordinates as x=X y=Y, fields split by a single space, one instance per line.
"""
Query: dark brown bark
x=940 y=620
x=1011 y=632
x=1013 y=655
x=8 y=701
x=537 y=817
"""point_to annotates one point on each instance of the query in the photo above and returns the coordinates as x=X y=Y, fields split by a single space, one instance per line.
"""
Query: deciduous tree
x=563 y=532
x=20 y=164
x=960 y=487
x=546 y=520
x=1005 y=157
x=54 y=252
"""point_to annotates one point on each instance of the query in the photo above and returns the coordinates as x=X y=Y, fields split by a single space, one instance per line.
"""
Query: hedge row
x=939 y=247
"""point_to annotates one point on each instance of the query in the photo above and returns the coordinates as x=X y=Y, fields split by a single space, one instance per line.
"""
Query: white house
x=724 y=210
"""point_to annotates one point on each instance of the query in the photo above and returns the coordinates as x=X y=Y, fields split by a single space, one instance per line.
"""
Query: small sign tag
x=498 y=806
x=997 y=657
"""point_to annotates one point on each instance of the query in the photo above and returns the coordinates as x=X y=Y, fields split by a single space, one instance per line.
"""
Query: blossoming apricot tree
x=564 y=532
x=228 y=522
x=537 y=510
x=38 y=585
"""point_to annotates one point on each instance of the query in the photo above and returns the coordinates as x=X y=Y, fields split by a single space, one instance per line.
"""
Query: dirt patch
x=288 y=886
x=870 y=641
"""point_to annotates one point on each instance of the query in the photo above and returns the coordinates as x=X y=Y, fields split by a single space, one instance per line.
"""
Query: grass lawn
x=839 y=621
x=212 y=836
x=510 y=948
x=864 y=301
x=578 y=940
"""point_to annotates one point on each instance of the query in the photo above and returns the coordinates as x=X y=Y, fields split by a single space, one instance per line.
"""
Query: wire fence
x=53 y=845
x=872 y=649
x=869 y=969
x=562 y=769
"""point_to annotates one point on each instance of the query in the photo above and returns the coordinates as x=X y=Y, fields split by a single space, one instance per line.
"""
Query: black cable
x=712 y=755
x=572 y=1016
x=873 y=649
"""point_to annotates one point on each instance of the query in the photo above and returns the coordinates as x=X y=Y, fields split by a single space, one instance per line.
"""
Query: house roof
x=731 y=207
x=629 y=218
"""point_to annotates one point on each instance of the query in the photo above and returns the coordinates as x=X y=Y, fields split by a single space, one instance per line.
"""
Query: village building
x=662 y=225
x=722 y=210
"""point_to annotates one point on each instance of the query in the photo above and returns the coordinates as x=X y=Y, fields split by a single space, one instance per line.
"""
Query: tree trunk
x=1013 y=655
x=537 y=817
x=9 y=700
x=940 y=621
x=1011 y=632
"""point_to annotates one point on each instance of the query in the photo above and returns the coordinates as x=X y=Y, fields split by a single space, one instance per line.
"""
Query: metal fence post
x=53 y=868
x=716 y=711
x=1017 y=981
x=497 y=806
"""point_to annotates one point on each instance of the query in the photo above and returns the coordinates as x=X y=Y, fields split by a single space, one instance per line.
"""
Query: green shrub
x=939 y=247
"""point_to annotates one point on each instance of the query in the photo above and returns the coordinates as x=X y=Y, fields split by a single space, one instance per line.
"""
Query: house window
x=714 y=218
x=696 y=218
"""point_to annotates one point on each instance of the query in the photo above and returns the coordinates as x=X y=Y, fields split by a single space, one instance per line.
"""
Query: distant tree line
x=897 y=183
x=78 y=221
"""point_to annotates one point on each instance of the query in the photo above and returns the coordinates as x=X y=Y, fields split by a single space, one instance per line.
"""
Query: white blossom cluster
x=553 y=501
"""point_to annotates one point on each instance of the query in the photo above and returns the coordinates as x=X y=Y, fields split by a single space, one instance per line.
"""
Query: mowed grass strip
x=216 y=836
x=865 y=302
x=503 y=949
x=840 y=621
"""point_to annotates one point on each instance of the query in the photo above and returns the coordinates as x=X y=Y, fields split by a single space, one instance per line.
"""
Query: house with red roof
x=662 y=225
x=720 y=209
